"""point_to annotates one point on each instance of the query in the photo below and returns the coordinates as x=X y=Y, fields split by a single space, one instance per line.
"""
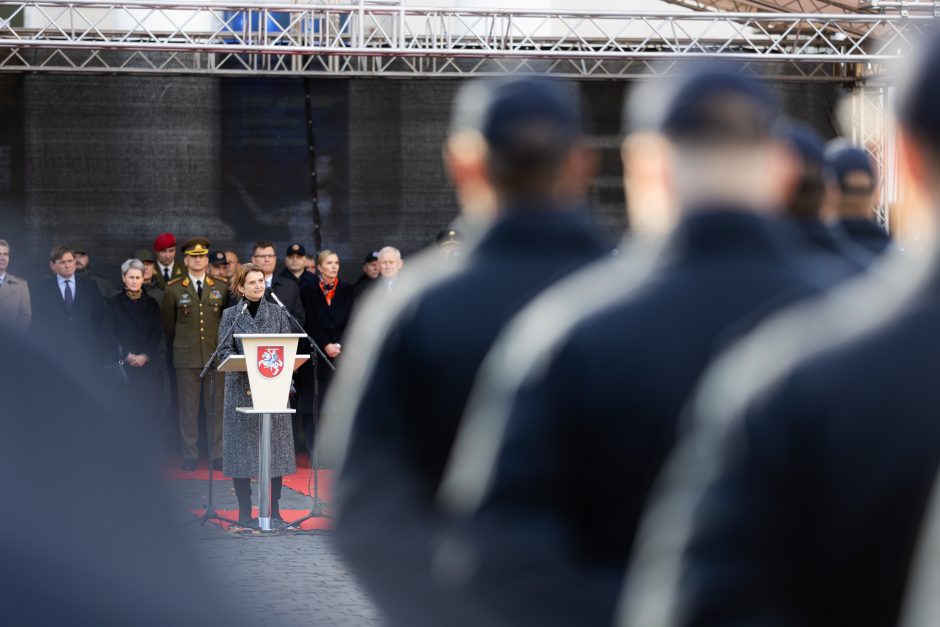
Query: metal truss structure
x=396 y=40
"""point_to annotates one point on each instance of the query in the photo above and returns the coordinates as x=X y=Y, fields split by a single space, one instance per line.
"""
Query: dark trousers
x=191 y=389
x=243 y=492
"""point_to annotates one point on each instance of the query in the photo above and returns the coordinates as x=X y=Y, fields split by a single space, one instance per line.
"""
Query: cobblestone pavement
x=283 y=579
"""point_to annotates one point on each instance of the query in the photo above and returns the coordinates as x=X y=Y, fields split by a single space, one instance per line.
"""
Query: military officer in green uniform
x=191 y=310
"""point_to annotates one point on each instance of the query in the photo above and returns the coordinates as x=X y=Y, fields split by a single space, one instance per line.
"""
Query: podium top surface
x=252 y=410
x=266 y=335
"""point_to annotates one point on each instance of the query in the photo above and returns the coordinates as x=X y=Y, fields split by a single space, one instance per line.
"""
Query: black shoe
x=189 y=465
x=217 y=463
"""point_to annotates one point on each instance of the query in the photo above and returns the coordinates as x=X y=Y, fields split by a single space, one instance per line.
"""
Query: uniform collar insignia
x=186 y=282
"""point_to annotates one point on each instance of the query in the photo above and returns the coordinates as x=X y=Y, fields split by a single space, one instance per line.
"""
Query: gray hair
x=390 y=250
x=3 y=242
x=132 y=264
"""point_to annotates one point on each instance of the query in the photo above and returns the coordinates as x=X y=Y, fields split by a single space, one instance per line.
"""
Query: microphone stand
x=210 y=513
x=317 y=509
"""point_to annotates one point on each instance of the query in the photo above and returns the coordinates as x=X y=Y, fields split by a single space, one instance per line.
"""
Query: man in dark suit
x=71 y=310
x=799 y=497
x=578 y=406
x=522 y=139
x=286 y=290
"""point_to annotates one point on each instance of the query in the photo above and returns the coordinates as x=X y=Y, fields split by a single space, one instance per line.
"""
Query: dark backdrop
x=113 y=160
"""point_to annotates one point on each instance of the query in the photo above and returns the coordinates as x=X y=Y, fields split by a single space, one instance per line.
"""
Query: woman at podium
x=241 y=432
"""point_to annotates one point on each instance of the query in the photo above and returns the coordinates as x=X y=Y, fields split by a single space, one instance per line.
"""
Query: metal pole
x=264 y=474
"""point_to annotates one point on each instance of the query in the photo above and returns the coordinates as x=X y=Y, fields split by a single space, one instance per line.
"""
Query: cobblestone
x=281 y=579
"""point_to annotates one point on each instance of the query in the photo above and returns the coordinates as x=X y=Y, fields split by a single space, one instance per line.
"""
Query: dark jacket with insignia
x=585 y=440
x=412 y=405
x=191 y=324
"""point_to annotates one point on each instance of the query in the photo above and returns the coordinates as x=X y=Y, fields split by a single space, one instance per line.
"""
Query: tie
x=69 y=298
x=166 y=274
x=199 y=288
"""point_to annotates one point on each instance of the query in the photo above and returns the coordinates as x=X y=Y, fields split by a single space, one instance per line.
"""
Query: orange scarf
x=328 y=293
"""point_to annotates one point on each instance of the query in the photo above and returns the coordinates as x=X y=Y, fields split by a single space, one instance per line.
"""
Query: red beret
x=163 y=241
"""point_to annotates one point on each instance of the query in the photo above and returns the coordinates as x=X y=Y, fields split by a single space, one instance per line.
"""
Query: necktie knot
x=166 y=274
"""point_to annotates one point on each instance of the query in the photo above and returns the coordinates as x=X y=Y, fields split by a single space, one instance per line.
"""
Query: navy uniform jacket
x=832 y=247
x=868 y=234
x=817 y=508
x=549 y=542
x=411 y=407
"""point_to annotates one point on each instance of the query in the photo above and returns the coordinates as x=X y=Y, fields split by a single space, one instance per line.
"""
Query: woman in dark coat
x=241 y=432
x=328 y=307
x=136 y=326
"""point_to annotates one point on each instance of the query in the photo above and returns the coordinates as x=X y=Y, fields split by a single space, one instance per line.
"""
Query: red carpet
x=300 y=481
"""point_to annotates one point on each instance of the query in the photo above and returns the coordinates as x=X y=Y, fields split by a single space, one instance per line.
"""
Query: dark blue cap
x=530 y=120
x=920 y=101
x=217 y=258
x=807 y=143
x=844 y=160
x=720 y=106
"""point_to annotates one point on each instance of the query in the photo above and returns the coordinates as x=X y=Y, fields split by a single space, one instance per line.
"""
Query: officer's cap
x=850 y=167
x=144 y=255
x=373 y=256
x=718 y=106
x=296 y=249
x=218 y=258
x=164 y=241
x=196 y=247
x=526 y=121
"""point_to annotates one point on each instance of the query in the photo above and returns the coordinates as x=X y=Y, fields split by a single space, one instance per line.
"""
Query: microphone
x=277 y=300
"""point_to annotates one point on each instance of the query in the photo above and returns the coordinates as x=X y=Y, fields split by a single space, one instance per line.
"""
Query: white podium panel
x=269 y=362
x=236 y=363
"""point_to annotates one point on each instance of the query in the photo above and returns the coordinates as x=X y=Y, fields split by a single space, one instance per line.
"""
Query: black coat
x=867 y=234
x=817 y=510
x=411 y=406
x=307 y=278
x=136 y=326
x=288 y=291
x=585 y=438
x=326 y=325
x=81 y=331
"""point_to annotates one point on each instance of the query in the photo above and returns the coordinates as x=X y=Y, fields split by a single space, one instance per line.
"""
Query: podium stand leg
x=264 y=474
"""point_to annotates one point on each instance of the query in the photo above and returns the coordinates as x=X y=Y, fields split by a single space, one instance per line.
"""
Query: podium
x=269 y=359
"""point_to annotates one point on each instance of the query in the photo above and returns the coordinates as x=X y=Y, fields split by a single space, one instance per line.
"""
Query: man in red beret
x=168 y=268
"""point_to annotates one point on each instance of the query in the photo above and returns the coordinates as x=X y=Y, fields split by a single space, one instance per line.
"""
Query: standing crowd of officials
x=153 y=336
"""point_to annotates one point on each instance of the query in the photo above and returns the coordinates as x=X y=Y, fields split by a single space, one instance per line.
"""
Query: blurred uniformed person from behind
x=191 y=311
x=853 y=185
x=798 y=497
x=834 y=255
x=522 y=139
x=574 y=411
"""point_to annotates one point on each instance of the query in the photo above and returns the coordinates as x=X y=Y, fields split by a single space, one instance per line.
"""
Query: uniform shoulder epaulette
x=209 y=281
x=174 y=281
